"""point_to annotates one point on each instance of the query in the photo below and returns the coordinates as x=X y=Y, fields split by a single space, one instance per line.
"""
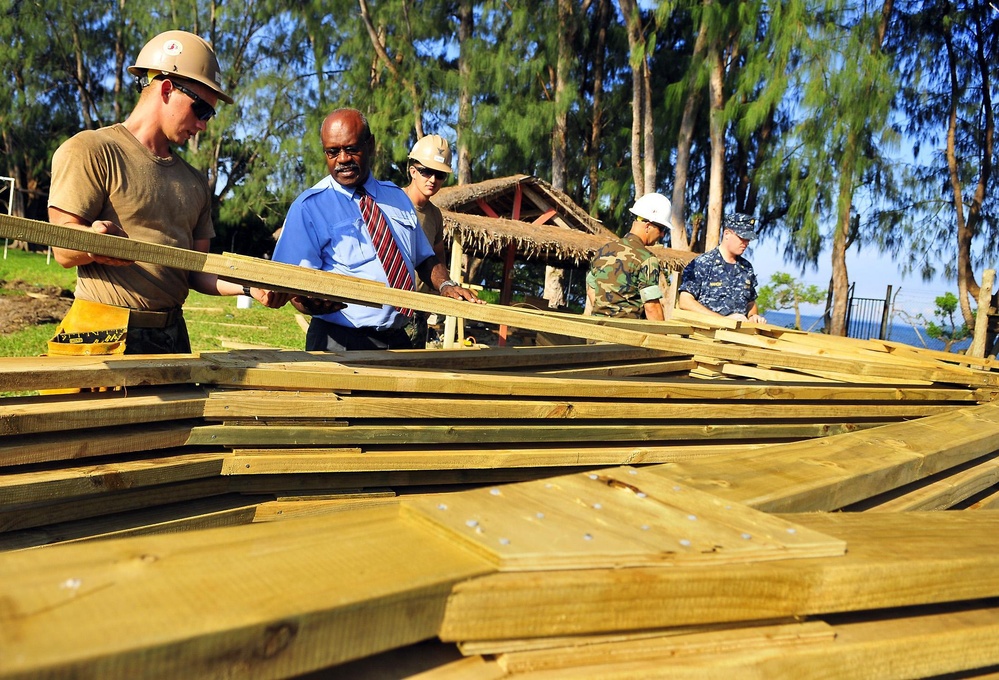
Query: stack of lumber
x=689 y=499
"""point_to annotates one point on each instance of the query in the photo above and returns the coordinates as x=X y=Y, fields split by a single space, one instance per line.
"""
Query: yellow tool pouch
x=91 y=328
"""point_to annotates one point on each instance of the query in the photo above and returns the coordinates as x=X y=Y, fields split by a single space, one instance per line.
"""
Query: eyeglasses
x=427 y=173
x=354 y=150
x=203 y=111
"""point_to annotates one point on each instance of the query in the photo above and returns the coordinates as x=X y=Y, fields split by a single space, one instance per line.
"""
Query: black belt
x=140 y=318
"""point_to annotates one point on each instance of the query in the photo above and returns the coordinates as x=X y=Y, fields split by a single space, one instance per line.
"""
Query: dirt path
x=25 y=304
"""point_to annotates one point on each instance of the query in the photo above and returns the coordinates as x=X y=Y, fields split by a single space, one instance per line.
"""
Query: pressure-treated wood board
x=830 y=473
x=943 y=490
x=310 y=460
x=201 y=513
x=232 y=405
x=29 y=415
x=61 y=484
x=71 y=509
x=657 y=335
x=919 y=645
x=661 y=648
x=620 y=517
x=64 y=446
x=339 y=435
x=240 y=601
x=892 y=560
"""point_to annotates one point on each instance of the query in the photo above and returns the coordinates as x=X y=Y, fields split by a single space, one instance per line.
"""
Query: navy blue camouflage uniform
x=721 y=287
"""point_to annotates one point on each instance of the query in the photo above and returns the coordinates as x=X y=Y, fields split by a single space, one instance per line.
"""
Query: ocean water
x=897 y=332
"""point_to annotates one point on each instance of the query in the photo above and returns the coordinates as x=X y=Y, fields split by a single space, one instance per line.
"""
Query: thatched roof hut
x=539 y=221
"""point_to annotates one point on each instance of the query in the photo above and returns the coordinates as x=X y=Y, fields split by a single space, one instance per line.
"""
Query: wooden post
x=669 y=299
x=977 y=348
x=452 y=323
x=506 y=294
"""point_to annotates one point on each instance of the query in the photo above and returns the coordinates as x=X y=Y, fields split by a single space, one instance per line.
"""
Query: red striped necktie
x=385 y=245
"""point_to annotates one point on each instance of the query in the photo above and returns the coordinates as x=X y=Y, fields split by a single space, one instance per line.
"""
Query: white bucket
x=244 y=302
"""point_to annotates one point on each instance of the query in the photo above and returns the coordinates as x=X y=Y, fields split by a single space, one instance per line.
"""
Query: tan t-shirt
x=432 y=222
x=107 y=174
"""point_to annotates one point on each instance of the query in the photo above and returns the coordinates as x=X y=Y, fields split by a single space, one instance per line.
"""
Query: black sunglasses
x=428 y=173
x=202 y=109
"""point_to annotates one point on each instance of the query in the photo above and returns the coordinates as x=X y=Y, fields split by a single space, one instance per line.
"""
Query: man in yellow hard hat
x=429 y=166
x=127 y=180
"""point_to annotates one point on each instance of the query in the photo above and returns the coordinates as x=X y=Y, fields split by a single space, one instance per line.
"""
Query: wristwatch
x=445 y=284
x=246 y=291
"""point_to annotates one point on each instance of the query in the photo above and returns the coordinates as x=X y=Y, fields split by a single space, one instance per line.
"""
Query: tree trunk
x=378 y=43
x=967 y=229
x=716 y=182
x=633 y=23
x=554 y=277
x=684 y=142
x=596 y=122
x=466 y=25
x=841 y=238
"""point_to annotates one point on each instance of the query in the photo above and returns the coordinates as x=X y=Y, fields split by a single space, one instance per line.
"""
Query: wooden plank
x=989 y=501
x=201 y=513
x=514 y=646
x=304 y=371
x=266 y=611
x=291 y=278
x=368 y=435
x=345 y=501
x=614 y=518
x=63 y=484
x=27 y=374
x=56 y=446
x=28 y=415
x=919 y=645
x=831 y=473
x=784 y=637
x=623 y=370
x=323 y=373
x=892 y=560
x=945 y=492
x=313 y=461
x=26 y=517
x=232 y=405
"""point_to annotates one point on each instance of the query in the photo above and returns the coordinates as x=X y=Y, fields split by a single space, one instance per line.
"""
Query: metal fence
x=867 y=317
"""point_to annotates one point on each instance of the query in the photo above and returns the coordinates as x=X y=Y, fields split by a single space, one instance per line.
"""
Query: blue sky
x=872 y=272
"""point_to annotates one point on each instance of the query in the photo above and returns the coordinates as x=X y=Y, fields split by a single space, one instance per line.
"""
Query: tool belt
x=93 y=328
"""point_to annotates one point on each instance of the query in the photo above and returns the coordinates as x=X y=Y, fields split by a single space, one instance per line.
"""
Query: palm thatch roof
x=545 y=224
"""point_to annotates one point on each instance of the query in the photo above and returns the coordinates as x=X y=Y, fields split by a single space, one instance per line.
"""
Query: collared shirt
x=718 y=285
x=324 y=230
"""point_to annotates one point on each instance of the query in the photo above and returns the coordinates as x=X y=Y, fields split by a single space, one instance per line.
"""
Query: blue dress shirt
x=324 y=230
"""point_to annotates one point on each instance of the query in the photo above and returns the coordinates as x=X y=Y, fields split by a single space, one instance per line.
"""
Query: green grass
x=211 y=320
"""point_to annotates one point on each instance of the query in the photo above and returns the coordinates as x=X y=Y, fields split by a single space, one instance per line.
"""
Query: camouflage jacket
x=721 y=287
x=624 y=275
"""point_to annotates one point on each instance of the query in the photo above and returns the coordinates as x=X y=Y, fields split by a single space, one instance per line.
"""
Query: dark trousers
x=172 y=339
x=324 y=336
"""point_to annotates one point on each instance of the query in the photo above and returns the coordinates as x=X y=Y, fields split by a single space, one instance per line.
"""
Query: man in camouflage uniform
x=623 y=280
x=721 y=282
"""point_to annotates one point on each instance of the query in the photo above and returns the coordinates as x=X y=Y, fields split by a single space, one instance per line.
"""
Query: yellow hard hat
x=432 y=151
x=182 y=54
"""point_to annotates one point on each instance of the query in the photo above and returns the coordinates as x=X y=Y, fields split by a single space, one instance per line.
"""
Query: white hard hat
x=654 y=208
